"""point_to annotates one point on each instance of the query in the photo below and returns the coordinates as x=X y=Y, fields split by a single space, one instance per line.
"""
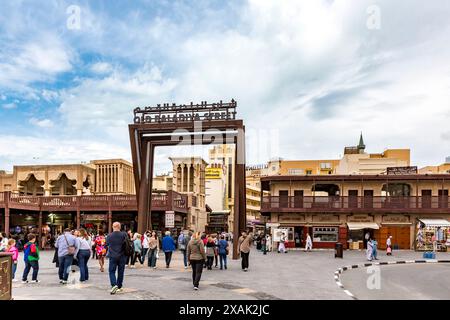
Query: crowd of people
x=76 y=247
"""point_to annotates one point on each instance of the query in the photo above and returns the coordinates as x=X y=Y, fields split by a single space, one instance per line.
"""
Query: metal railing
x=351 y=203
x=168 y=201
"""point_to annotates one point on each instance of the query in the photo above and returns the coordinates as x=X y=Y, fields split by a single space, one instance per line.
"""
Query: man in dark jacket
x=115 y=244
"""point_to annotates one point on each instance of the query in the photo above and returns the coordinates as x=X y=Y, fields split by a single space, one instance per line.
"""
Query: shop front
x=21 y=224
x=93 y=223
x=360 y=227
x=325 y=231
x=296 y=227
x=432 y=235
x=128 y=220
x=397 y=226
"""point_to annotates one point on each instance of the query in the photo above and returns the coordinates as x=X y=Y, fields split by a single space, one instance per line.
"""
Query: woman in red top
x=100 y=247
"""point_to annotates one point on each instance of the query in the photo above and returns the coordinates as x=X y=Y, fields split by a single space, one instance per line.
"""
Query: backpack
x=128 y=246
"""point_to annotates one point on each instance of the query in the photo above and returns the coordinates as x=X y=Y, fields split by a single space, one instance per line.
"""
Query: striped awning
x=435 y=222
x=362 y=225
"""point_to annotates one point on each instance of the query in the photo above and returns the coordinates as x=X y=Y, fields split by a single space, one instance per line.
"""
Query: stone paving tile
x=296 y=275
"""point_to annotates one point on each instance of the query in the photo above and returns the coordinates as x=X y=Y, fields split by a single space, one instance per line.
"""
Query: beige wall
x=114 y=177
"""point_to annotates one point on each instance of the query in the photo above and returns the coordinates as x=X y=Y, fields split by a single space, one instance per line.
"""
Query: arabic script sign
x=186 y=112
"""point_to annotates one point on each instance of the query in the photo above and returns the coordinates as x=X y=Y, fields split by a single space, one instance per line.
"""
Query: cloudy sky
x=308 y=76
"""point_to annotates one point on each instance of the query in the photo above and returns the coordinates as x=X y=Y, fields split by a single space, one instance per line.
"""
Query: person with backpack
x=197 y=256
x=137 y=247
x=182 y=245
x=119 y=247
x=31 y=259
x=168 y=246
x=68 y=247
x=223 y=249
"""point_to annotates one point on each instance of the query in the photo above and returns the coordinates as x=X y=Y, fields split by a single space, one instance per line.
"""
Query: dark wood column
x=78 y=218
x=7 y=212
x=240 y=214
x=109 y=218
x=40 y=230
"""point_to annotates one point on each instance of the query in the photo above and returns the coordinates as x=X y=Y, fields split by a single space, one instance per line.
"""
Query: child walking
x=11 y=248
x=31 y=258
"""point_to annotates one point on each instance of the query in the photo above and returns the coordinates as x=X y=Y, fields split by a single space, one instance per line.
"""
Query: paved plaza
x=295 y=275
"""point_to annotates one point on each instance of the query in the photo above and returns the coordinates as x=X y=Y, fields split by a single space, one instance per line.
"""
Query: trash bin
x=338 y=250
x=5 y=276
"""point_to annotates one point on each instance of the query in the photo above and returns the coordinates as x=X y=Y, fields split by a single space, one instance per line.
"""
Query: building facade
x=344 y=208
x=189 y=180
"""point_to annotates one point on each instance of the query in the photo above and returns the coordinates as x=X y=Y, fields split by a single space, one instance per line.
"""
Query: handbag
x=70 y=249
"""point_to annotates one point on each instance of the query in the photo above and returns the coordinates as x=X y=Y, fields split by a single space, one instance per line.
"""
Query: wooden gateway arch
x=191 y=124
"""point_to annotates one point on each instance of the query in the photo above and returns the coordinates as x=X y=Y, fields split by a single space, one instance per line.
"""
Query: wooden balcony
x=170 y=201
x=413 y=204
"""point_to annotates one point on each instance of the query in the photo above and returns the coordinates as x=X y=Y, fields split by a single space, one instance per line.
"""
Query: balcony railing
x=160 y=202
x=356 y=203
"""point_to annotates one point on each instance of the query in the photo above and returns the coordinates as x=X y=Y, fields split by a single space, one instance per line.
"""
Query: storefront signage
x=94 y=217
x=184 y=113
x=170 y=219
x=272 y=225
x=360 y=218
x=396 y=219
x=325 y=218
x=213 y=173
x=291 y=218
x=401 y=170
x=279 y=233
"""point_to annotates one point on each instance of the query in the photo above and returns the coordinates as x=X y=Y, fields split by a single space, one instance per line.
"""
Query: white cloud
x=101 y=67
x=9 y=106
x=49 y=95
x=44 y=123
x=36 y=60
x=21 y=150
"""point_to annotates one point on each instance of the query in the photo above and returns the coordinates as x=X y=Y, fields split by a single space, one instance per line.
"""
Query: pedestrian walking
x=183 y=241
x=269 y=242
x=197 y=257
x=389 y=246
x=137 y=245
x=210 y=246
x=67 y=245
x=84 y=253
x=374 y=249
x=153 y=250
x=3 y=242
x=369 y=250
x=244 y=243
x=168 y=246
x=145 y=247
x=216 y=251
x=116 y=244
x=309 y=244
x=31 y=259
x=282 y=244
x=100 y=248
x=223 y=249
x=11 y=248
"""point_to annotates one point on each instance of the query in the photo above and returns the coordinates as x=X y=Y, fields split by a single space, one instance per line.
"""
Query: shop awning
x=362 y=225
x=435 y=222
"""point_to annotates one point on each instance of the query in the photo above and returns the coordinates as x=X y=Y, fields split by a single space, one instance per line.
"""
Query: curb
x=338 y=272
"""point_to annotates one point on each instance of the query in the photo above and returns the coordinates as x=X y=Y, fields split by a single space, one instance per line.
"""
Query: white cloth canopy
x=362 y=225
x=435 y=222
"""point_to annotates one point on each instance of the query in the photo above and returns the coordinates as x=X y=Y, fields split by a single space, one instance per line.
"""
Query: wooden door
x=426 y=198
x=284 y=198
x=400 y=237
x=298 y=198
x=443 y=199
x=353 y=198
